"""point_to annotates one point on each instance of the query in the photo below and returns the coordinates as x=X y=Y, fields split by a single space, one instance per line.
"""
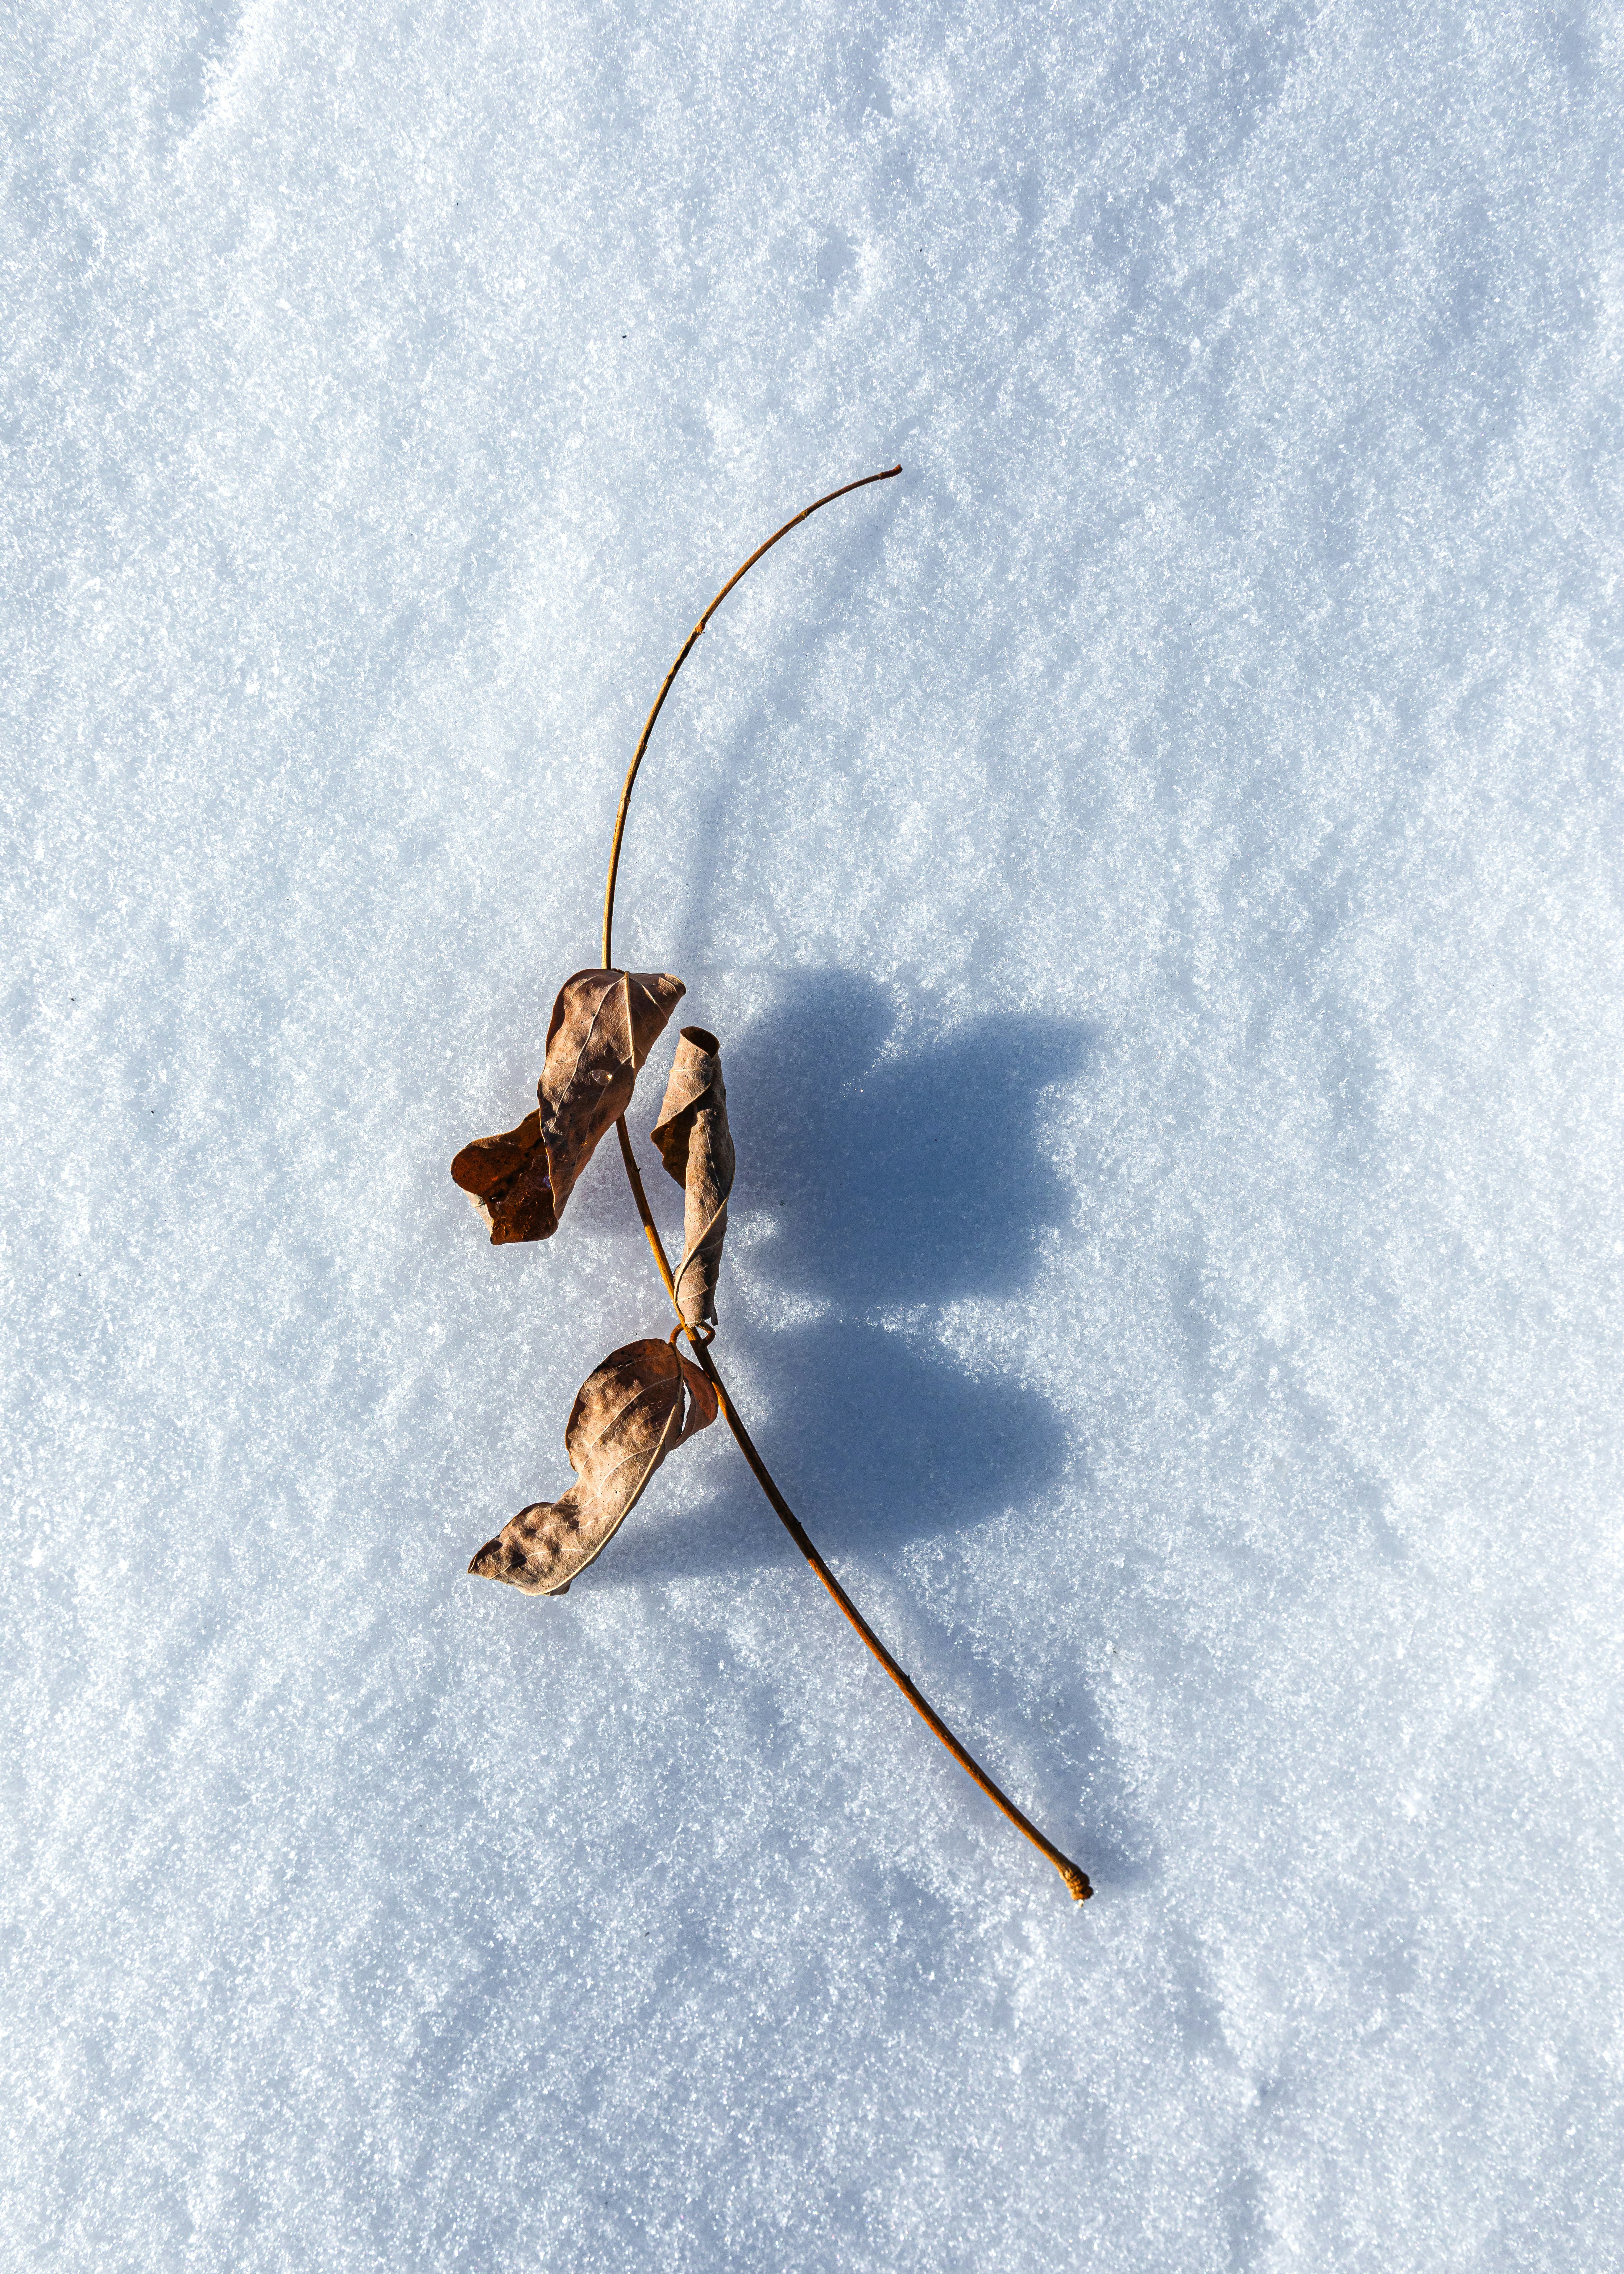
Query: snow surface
x=1156 y=872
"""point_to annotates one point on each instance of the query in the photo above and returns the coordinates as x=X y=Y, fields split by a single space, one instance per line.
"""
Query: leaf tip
x=520 y=1556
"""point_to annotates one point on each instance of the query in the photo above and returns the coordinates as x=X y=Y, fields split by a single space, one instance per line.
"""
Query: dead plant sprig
x=629 y=1412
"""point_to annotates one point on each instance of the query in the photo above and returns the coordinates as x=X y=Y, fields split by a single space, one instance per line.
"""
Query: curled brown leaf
x=697 y=1147
x=603 y=1024
x=628 y=1416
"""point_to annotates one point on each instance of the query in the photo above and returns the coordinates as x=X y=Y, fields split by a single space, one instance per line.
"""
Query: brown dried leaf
x=627 y=1417
x=603 y=1024
x=697 y=1148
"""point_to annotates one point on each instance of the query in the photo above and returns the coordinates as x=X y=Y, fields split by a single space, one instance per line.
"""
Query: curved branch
x=890 y=475
x=1076 y=1879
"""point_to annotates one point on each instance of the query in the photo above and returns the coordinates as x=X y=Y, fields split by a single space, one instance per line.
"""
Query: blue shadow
x=892 y=1182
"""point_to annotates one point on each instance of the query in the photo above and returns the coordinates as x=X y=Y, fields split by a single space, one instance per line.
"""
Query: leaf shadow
x=874 y=1182
x=897 y=1178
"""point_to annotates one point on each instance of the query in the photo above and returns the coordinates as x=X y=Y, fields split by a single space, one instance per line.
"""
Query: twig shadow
x=878 y=1185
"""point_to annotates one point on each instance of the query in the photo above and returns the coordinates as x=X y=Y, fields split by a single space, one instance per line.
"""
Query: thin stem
x=890 y=475
x=1076 y=1879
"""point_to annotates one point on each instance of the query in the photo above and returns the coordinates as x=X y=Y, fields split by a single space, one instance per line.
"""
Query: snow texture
x=1156 y=869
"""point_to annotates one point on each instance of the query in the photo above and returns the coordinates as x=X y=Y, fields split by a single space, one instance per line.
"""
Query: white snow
x=1156 y=872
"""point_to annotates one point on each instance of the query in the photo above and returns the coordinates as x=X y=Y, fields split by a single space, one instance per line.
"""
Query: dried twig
x=699 y=1334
